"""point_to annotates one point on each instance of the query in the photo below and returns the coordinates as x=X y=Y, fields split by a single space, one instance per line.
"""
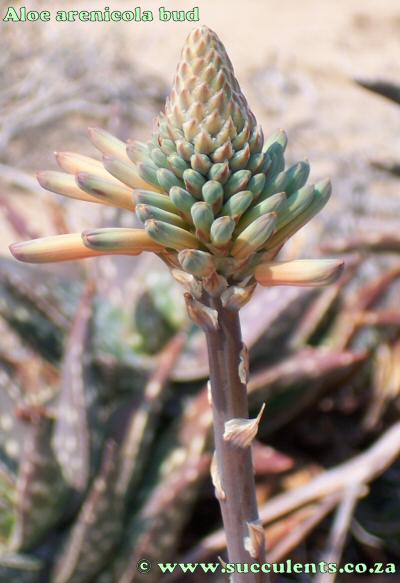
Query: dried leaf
x=241 y=432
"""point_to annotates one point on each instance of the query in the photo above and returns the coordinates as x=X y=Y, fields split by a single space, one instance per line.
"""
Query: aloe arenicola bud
x=170 y=236
x=203 y=218
x=107 y=191
x=303 y=272
x=216 y=203
x=197 y=262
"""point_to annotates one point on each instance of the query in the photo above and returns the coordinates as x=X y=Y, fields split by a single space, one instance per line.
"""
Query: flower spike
x=211 y=193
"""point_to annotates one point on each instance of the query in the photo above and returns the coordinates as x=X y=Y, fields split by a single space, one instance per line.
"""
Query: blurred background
x=105 y=437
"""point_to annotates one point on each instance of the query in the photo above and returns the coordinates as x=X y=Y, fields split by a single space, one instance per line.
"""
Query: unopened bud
x=199 y=263
x=254 y=236
x=170 y=236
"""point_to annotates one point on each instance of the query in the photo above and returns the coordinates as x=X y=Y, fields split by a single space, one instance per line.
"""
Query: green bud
x=256 y=184
x=170 y=236
x=177 y=165
x=294 y=205
x=224 y=152
x=163 y=127
x=151 y=198
x=203 y=142
x=240 y=160
x=279 y=138
x=159 y=158
x=183 y=201
x=149 y=173
x=237 y=204
x=108 y=191
x=276 y=154
x=201 y=163
x=259 y=162
x=185 y=149
x=254 y=236
x=194 y=182
x=288 y=181
x=144 y=212
x=199 y=263
x=237 y=182
x=124 y=171
x=190 y=129
x=220 y=172
x=299 y=177
x=121 y=240
x=108 y=144
x=322 y=192
x=226 y=133
x=167 y=179
x=137 y=151
x=213 y=193
x=242 y=137
x=203 y=218
x=256 y=140
x=168 y=147
x=273 y=203
x=222 y=230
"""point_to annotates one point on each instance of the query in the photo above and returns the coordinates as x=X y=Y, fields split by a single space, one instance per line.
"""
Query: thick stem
x=235 y=468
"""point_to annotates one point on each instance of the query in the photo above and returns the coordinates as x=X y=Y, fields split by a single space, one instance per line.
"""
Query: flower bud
x=237 y=204
x=222 y=230
x=199 y=263
x=144 y=212
x=254 y=236
x=203 y=217
x=170 y=236
x=213 y=193
x=302 y=272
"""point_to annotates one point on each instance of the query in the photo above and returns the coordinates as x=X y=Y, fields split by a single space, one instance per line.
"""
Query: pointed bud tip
x=324 y=186
x=92 y=130
x=22 y=251
x=87 y=234
x=151 y=224
x=81 y=177
x=40 y=177
x=16 y=252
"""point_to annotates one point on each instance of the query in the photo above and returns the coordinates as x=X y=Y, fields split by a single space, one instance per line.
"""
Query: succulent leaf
x=70 y=439
x=41 y=490
x=16 y=568
x=97 y=529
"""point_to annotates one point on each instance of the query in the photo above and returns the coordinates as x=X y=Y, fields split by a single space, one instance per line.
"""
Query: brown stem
x=235 y=468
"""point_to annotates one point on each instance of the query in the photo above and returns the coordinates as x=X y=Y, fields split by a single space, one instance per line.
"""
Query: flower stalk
x=233 y=469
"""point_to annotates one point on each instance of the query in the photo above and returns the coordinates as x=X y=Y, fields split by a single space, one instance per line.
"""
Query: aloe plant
x=217 y=205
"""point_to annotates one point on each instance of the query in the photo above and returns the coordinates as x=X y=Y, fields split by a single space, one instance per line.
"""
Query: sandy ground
x=295 y=62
